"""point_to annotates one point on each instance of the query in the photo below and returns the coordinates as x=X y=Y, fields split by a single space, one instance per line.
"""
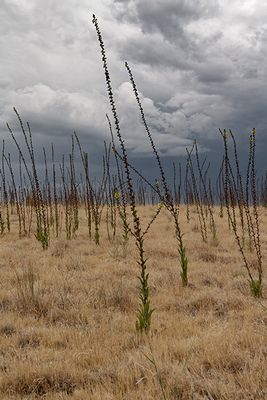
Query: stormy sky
x=199 y=66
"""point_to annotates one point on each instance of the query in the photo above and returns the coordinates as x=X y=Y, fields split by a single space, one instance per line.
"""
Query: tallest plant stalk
x=144 y=314
x=169 y=202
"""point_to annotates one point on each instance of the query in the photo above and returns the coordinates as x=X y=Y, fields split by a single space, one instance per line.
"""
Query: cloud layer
x=198 y=66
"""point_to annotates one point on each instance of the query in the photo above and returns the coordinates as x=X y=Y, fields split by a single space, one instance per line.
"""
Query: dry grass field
x=67 y=328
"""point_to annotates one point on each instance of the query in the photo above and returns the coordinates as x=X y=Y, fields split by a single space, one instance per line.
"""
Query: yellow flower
x=117 y=195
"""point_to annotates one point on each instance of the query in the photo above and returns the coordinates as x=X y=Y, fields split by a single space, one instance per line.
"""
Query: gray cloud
x=198 y=65
x=167 y=17
x=154 y=51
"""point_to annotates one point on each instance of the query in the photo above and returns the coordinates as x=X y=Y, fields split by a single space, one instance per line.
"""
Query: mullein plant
x=232 y=199
x=21 y=195
x=206 y=198
x=109 y=197
x=219 y=187
x=240 y=193
x=55 y=196
x=119 y=192
x=169 y=201
x=145 y=311
x=73 y=189
x=68 y=213
x=188 y=192
x=95 y=196
x=40 y=211
x=14 y=193
x=256 y=286
x=5 y=192
x=88 y=187
x=197 y=201
x=47 y=195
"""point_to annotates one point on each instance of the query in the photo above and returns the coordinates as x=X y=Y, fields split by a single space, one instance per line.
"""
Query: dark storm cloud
x=167 y=17
x=199 y=65
x=220 y=73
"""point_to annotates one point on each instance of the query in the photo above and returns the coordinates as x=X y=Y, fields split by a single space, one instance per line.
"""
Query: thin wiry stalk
x=144 y=315
x=168 y=200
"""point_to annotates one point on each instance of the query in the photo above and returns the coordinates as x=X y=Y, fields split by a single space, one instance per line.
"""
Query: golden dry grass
x=72 y=334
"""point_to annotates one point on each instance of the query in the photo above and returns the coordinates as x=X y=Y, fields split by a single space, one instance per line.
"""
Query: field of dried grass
x=67 y=328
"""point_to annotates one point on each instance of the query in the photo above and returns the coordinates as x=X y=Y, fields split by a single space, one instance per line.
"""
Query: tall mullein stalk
x=155 y=189
x=204 y=185
x=248 y=175
x=169 y=202
x=110 y=200
x=200 y=212
x=256 y=287
x=29 y=209
x=11 y=197
x=251 y=195
x=88 y=186
x=119 y=193
x=22 y=204
x=114 y=206
x=95 y=196
x=5 y=192
x=22 y=199
x=187 y=195
x=201 y=174
x=73 y=200
x=98 y=203
x=247 y=195
x=240 y=192
x=230 y=201
x=205 y=195
x=46 y=194
x=50 y=202
x=103 y=189
x=145 y=312
x=233 y=196
x=15 y=192
x=74 y=191
x=241 y=199
x=219 y=185
x=109 y=207
x=55 y=197
x=61 y=206
x=50 y=217
x=41 y=231
x=66 y=200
